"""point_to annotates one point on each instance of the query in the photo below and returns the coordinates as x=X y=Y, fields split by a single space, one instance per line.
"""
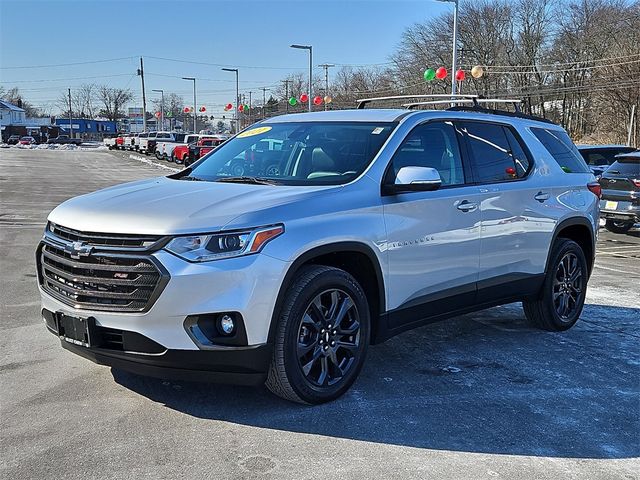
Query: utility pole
x=237 y=113
x=70 y=117
x=326 y=67
x=144 y=98
x=631 y=122
x=264 y=101
x=286 y=94
x=250 y=92
x=310 y=49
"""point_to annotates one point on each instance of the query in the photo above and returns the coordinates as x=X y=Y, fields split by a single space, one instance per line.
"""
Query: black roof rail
x=504 y=113
x=452 y=98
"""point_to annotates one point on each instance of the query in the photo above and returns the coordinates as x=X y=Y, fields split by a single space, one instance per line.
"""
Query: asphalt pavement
x=479 y=396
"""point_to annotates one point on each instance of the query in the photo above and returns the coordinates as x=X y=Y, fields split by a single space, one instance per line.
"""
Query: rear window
x=627 y=166
x=562 y=149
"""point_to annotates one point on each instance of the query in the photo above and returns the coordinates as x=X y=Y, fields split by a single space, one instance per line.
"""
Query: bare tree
x=113 y=101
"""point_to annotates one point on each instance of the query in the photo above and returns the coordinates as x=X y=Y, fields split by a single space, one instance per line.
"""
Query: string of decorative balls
x=441 y=73
x=429 y=74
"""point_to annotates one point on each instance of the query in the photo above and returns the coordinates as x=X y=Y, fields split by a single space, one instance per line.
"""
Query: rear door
x=516 y=226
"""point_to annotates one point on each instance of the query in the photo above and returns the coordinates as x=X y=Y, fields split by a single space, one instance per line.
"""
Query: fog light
x=226 y=324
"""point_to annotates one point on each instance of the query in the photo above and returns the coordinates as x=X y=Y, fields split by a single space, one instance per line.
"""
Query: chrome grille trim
x=117 y=279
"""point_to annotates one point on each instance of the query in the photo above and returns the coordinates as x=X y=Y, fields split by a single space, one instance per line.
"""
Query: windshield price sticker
x=253 y=131
x=377 y=131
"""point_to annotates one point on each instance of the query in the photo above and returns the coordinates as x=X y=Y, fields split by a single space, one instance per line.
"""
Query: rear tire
x=618 y=227
x=561 y=299
x=321 y=337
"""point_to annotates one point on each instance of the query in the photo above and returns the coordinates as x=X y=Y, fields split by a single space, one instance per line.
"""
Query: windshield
x=301 y=153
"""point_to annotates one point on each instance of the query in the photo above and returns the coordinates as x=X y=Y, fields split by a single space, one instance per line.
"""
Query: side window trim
x=517 y=136
x=466 y=168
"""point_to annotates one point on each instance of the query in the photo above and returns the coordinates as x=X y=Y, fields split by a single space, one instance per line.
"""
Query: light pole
x=455 y=44
x=194 y=101
x=161 y=106
x=326 y=67
x=310 y=48
x=237 y=96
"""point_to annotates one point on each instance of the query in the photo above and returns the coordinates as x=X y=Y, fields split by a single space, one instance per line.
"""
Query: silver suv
x=344 y=228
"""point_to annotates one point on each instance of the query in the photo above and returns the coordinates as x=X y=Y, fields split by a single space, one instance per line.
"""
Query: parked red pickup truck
x=201 y=148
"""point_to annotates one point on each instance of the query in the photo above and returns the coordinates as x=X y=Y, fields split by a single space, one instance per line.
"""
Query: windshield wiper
x=193 y=179
x=246 y=179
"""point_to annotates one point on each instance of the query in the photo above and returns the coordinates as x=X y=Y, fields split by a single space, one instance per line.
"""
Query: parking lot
x=481 y=395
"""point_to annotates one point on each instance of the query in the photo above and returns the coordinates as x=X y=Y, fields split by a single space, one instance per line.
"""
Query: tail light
x=595 y=188
x=636 y=182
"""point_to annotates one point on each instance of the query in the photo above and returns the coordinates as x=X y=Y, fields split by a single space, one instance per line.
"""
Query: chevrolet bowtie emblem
x=78 y=249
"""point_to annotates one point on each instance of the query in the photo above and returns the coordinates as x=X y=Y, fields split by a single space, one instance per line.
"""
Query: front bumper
x=238 y=365
x=248 y=285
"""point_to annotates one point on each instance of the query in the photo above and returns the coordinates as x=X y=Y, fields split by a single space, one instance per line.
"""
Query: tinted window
x=562 y=149
x=493 y=158
x=628 y=166
x=432 y=145
x=310 y=153
x=594 y=158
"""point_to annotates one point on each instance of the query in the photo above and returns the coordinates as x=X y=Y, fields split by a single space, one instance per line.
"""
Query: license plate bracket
x=76 y=330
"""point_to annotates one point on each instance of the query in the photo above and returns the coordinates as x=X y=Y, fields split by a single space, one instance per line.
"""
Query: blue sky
x=243 y=33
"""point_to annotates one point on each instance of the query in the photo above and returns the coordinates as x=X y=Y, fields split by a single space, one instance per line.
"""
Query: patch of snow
x=149 y=162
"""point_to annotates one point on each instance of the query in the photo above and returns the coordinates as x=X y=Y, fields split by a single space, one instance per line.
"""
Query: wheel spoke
x=351 y=329
x=303 y=349
x=324 y=372
x=563 y=304
x=345 y=306
x=306 y=368
x=352 y=347
x=335 y=302
x=316 y=313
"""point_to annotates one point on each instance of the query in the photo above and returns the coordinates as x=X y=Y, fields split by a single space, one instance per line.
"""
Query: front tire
x=321 y=336
x=618 y=227
x=561 y=300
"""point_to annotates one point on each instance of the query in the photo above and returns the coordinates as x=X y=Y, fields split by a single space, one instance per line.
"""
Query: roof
x=352 y=115
x=635 y=154
x=589 y=147
x=397 y=114
x=10 y=106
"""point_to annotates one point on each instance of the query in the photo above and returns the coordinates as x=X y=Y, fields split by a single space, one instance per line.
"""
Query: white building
x=11 y=114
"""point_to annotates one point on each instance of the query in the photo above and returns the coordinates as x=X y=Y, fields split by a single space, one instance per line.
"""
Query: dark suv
x=620 y=204
x=599 y=157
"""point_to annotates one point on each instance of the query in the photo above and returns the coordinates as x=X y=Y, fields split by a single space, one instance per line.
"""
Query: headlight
x=203 y=248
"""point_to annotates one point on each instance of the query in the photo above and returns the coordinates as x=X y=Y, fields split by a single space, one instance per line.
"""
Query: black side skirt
x=458 y=301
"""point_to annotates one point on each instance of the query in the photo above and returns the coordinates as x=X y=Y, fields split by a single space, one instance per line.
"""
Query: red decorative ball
x=460 y=75
x=304 y=98
x=229 y=106
x=240 y=108
x=187 y=109
x=441 y=73
x=203 y=109
x=317 y=100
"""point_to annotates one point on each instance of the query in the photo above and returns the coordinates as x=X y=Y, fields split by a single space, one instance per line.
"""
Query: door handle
x=467 y=206
x=541 y=196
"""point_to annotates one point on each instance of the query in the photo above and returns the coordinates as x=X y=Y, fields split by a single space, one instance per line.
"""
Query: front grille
x=100 y=280
x=102 y=239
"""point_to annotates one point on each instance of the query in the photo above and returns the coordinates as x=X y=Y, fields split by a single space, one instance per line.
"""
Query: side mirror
x=414 y=179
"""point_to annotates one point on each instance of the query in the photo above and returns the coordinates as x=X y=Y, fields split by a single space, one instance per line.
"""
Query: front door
x=433 y=243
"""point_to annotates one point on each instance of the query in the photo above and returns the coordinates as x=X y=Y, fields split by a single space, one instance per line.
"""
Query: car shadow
x=485 y=382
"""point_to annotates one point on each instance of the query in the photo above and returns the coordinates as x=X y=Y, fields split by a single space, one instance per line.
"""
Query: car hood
x=163 y=206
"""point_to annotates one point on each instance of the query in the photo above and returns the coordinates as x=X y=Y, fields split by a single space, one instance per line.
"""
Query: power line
x=67 y=64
